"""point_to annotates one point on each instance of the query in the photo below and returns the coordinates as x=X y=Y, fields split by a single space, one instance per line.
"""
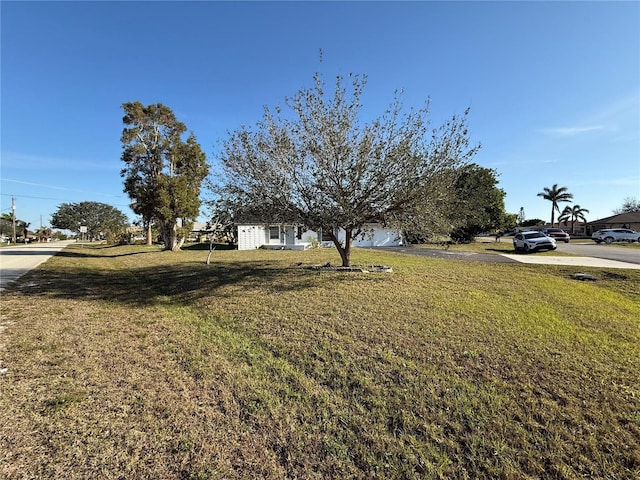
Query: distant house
x=296 y=237
x=198 y=232
x=624 y=220
x=579 y=228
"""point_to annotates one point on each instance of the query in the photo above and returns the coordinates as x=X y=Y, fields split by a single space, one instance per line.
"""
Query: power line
x=51 y=198
x=57 y=188
x=30 y=196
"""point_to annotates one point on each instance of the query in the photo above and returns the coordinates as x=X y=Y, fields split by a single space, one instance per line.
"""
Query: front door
x=290 y=235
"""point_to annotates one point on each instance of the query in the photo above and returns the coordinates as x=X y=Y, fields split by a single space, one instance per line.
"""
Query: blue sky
x=553 y=87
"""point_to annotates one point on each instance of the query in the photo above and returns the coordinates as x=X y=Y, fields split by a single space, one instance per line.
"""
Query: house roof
x=199 y=226
x=630 y=217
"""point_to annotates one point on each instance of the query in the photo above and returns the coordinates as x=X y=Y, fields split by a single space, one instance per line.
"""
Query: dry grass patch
x=129 y=362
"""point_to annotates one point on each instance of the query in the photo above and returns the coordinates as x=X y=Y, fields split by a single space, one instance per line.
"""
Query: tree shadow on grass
x=113 y=251
x=108 y=251
x=500 y=250
x=159 y=284
x=89 y=254
x=205 y=246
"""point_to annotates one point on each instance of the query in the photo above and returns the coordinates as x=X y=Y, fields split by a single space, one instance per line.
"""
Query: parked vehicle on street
x=557 y=233
x=533 y=241
x=610 y=235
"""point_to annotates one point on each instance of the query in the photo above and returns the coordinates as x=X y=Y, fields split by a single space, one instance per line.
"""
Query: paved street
x=17 y=260
x=589 y=248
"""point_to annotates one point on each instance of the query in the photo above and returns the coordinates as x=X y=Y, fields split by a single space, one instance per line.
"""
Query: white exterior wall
x=251 y=237
x=377 y=236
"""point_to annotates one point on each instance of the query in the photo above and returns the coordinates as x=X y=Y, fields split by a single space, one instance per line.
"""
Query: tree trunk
x=211 y=249
x=343 y=250
x=170 y=237
x=149 y=239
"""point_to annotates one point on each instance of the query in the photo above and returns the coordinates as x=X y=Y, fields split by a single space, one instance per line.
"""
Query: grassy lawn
x=133 y=363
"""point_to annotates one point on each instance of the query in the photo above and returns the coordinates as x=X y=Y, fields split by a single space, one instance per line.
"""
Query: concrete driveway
x=586 y=254
x=584 y=257
x=17 y=260
x=575 y=261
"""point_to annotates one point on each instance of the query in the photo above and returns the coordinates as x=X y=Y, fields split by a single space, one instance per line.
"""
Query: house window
x=274 y=233
x=299 y=232
x=325 y=235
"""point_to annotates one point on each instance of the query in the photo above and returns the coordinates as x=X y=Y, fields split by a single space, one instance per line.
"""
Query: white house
x=295 y=237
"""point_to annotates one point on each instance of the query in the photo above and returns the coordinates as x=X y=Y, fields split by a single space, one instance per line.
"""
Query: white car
x=533 y=241
x=610 y=235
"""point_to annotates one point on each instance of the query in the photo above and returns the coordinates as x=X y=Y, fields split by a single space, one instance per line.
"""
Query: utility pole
x=13 y=219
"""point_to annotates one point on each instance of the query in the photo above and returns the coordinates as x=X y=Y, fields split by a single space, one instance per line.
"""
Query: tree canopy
x=99 y=218
x=320 y=167
x=163 y=174
x=6 y=224
x=532 y=222
x=629 y=205
x=478 y=204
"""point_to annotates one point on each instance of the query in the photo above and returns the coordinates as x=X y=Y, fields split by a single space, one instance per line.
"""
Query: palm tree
x=575 y=213
x=565 y=216
x=556 y=195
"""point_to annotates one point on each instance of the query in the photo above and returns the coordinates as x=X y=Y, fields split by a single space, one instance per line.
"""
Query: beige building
x=624 y=220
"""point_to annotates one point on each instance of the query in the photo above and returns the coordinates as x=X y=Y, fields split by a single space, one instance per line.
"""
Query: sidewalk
x=572 y=261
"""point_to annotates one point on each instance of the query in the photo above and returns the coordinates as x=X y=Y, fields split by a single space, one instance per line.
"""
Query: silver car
x=610 y=235
x=533 y=241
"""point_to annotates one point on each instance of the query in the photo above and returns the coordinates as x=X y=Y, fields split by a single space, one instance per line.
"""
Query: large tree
x=320 y=167
x=556 y=195
x=478 y=204
x=99 y=218
x=163 y=174
x=7 y=226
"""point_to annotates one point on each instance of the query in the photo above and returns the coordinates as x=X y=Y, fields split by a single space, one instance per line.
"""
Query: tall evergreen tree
x=163 y=174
